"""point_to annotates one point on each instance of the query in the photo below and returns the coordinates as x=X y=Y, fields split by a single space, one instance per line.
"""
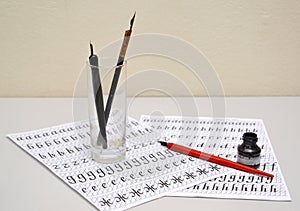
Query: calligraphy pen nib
x=163 y=143
x=131 y=21
x=92 y=49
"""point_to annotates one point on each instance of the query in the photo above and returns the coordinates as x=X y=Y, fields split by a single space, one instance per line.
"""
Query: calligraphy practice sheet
x=149 y=171
x=221 y=137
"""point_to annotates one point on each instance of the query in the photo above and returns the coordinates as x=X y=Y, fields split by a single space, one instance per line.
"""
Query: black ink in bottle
x=248 y=151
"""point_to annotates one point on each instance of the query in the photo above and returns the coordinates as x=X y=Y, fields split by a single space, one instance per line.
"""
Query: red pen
x=212 y=158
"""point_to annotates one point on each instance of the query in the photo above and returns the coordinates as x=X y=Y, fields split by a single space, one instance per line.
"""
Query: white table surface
x=26 y=184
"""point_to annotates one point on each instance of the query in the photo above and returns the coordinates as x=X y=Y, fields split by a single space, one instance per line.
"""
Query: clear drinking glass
x=107 y=128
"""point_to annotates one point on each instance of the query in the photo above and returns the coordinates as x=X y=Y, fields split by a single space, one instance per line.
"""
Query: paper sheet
x=149 y=171
x=229 y=131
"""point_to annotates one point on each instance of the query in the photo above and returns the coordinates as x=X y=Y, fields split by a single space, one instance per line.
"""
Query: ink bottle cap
x=248 y=151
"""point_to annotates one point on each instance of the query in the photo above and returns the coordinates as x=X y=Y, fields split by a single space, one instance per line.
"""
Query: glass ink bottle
x=248 y=151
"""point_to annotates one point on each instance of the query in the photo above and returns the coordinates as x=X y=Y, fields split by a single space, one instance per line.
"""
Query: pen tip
x=91 y=48
x=163 y=143
x=132 y=20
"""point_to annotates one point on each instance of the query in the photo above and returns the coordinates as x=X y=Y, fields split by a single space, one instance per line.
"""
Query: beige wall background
x=253 y=45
